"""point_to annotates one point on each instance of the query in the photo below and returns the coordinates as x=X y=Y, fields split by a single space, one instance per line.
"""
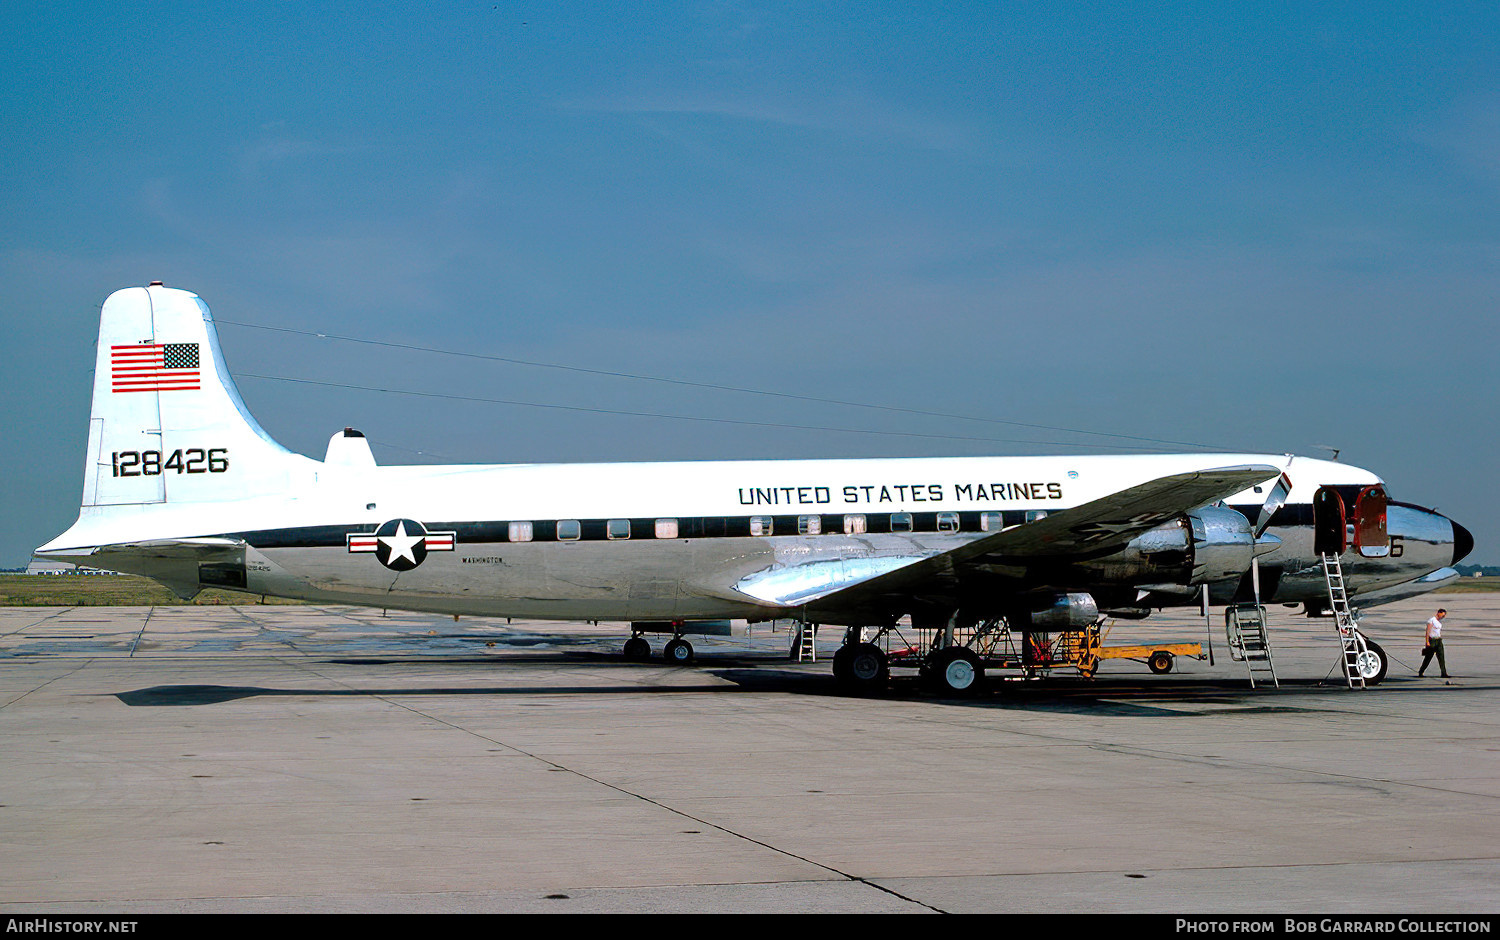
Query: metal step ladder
x=1249 y=643
x=1350 y=638
x=804 y=647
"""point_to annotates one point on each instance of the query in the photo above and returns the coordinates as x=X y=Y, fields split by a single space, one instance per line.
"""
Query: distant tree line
x=1469 y=571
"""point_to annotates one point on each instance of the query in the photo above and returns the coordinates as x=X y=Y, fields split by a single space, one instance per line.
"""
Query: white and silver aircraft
x=182 y=485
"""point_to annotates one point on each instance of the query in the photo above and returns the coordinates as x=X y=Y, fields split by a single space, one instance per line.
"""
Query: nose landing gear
x=1372 y=662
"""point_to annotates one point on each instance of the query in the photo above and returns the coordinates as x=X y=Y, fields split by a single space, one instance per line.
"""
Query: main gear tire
x=678 y=652
x=637 y=650
x=956 y=671
x=863 y=668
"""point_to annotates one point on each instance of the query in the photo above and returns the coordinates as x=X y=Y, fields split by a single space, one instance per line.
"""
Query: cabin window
x=617 y=529
x=991 y=522
x=809 y=525
x=900 y=522
x=1033 y=515
x=520 y=532
x=947 y=522
x=568 y=530
x=854 y=524
x=761 y=525
x=666 y=528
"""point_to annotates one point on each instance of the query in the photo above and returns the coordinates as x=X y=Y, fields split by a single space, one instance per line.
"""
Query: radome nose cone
x=1463 y=542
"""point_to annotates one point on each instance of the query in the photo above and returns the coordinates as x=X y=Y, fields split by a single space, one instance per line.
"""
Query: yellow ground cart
x=959 y=662
x=1039 y=653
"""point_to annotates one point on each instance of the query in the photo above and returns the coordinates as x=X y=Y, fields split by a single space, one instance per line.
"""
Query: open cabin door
x=1370 y=535
x=1329 y=534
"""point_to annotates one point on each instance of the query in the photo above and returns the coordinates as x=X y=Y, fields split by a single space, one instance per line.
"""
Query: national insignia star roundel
x=401 y=544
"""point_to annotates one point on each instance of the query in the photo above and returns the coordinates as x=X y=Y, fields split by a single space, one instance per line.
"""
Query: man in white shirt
x=1434 y=645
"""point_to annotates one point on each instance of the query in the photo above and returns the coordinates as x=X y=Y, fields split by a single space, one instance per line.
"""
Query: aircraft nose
x=1463 y=542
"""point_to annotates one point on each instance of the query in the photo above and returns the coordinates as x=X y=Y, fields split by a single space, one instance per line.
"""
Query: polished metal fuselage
x=709 y=578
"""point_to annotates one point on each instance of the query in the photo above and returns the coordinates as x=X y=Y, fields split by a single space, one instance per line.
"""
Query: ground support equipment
x=957 y=659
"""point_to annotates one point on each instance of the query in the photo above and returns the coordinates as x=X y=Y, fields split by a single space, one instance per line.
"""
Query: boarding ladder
x=1350 y=638
x=804 y=648
x=1245 y=628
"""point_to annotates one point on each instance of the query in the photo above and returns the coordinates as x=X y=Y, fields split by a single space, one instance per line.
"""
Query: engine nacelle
x=1206 y=545
x=1066 y=612
x=1223 y=544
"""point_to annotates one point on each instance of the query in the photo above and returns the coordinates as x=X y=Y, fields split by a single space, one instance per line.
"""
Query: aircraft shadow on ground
x=1101 y=697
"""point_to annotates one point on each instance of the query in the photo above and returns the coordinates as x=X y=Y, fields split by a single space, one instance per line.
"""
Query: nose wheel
x=1372 y=663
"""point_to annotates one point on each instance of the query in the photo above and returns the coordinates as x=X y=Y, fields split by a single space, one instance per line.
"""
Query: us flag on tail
x=154 y=367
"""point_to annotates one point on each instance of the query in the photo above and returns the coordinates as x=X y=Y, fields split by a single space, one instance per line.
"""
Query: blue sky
x=1266 y=227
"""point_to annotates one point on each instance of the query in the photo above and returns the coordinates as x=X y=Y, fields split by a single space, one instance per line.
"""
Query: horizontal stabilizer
x=198 y=549
x=173 y=562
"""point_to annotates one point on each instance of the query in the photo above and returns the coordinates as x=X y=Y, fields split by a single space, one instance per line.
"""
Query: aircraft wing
x=1107 y=524
x=1094 y=528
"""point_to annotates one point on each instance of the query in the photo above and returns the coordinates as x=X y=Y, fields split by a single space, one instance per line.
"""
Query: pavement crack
x=13 y=701
x=141 y=632
x=38 y=623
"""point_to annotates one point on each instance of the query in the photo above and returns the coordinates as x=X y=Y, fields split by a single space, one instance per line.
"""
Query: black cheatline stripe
x=641 y=528
x=688 y=527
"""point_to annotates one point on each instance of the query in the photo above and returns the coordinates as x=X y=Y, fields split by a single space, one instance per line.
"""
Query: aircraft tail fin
x=168 y=424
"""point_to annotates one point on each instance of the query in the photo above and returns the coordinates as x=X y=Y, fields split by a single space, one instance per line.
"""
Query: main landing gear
x=637 y=650
x=864 y=668
x=677 y=652
x=861 y=667
x=955 y=670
